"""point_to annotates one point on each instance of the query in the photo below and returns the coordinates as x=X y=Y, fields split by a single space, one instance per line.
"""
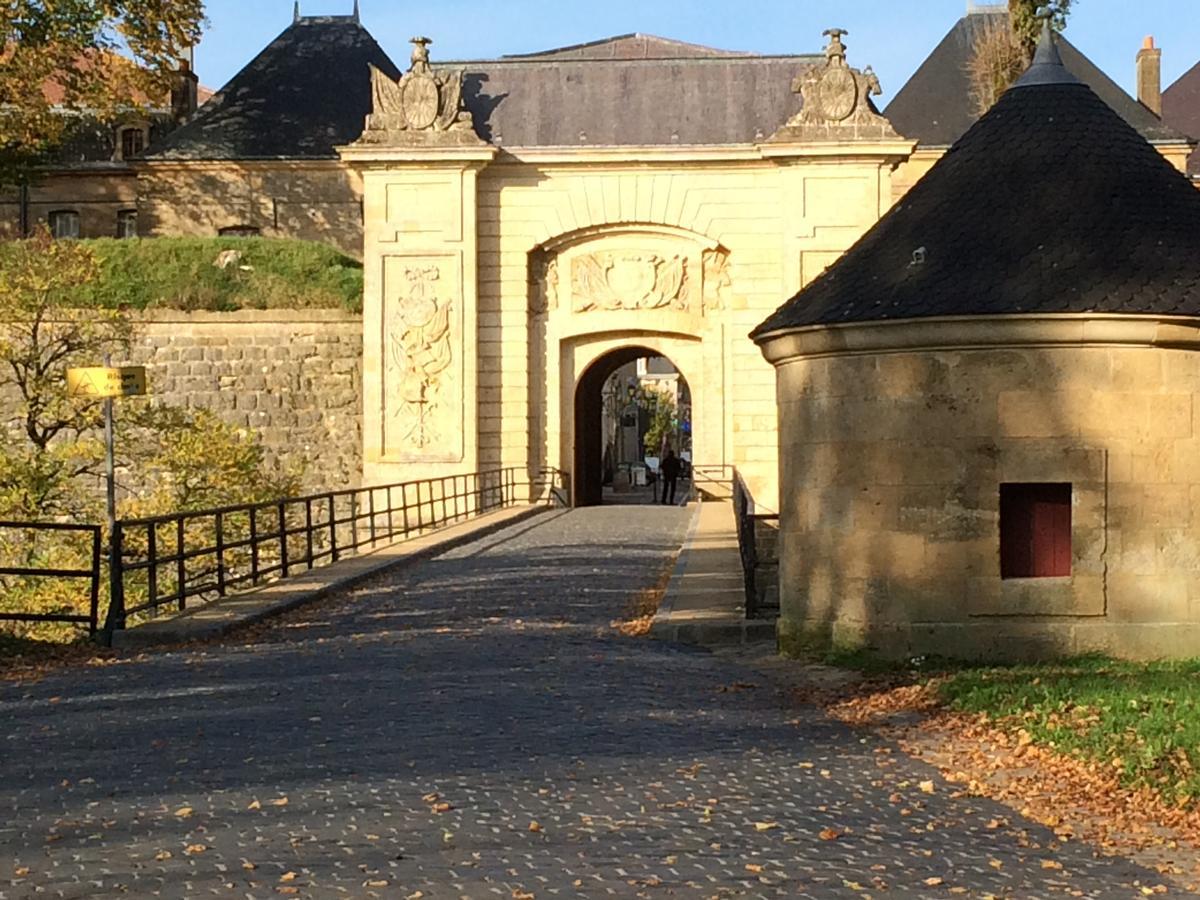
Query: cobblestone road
x=471 y=728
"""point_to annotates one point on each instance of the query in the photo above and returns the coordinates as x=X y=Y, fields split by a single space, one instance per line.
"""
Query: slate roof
x=1051 y=203
x=308 y=92
x=631 y=46
x=935 y=107
x=571 y=102
x=1181 y=110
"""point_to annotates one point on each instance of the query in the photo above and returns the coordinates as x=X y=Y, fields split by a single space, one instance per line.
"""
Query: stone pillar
x=419 y=158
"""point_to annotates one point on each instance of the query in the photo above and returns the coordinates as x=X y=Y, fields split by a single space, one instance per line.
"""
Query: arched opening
x=631 y=405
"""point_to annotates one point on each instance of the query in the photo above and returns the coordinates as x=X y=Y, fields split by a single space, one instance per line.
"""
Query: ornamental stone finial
x=835 y=53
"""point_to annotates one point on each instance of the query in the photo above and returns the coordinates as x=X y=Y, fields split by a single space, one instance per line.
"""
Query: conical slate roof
x=308 y=92
x=1050 y=203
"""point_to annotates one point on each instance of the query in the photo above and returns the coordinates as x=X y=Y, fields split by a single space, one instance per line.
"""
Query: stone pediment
x=837 y=101
x=423 y=109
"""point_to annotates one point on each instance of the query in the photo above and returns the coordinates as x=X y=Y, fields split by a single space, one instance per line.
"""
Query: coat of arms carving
x=611 y=281
x=422 y=107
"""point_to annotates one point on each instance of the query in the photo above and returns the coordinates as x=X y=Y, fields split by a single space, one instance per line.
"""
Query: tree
x=93 y=56
x=48 y=440
x=1025 y=17
x=663 y=420
x=1003 y=50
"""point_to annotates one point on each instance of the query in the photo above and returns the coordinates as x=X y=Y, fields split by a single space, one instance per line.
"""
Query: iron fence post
x=283 y=545
x=116 y=585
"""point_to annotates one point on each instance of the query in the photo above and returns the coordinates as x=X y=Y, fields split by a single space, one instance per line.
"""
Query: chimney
x=184 y=93
x=1149 y=76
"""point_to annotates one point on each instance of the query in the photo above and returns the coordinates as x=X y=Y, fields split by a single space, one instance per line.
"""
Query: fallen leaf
x=378 y=883
x=254 y=804
x=765 y=826
x=282 y=801
x=248 y=866
x=933 y=882
x=752 y=867
x=288 y=876
x=183 y=812
x=163 y=855
x=442 y=807
x=193 y=849
x=829 y=834
x=926 y=787
x=22 y=872
x=1051 y=864
x=534 y=826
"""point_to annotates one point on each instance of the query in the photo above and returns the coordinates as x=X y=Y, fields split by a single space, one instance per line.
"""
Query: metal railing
x=167 y=561
x=713 y=481
x=747 y=531
x=29 y=530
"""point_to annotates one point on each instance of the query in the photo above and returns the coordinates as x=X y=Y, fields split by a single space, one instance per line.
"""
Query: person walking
x=670 y=470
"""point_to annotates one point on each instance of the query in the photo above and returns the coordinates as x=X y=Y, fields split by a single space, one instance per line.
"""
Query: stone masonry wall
x=890 y=480
x=293 y=376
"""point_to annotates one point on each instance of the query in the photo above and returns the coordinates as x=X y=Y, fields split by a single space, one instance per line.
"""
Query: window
x=1035 y=530
x=64 y=223
x=239 y=231
x=127 y=223
x=133 y=142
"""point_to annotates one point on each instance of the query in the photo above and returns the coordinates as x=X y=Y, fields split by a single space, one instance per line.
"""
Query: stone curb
x=715 y=630
x=221 y=617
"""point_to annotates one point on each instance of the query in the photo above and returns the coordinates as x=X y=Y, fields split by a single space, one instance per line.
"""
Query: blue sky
x=894 y=36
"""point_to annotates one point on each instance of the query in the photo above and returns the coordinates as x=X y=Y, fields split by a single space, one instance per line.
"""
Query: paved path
x=313 y=760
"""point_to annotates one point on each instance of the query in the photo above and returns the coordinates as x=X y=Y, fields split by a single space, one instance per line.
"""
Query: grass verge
x=1140 y=719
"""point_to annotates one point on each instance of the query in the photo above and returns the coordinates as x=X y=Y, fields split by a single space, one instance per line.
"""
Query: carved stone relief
x=422 y=108
x=421 y=386
x=837 y=100
x=610 y=281
x=717 y=281
x=543 y=289
x=696 y=283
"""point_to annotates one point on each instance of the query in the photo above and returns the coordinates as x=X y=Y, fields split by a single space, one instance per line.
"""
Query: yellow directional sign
x=102 y=381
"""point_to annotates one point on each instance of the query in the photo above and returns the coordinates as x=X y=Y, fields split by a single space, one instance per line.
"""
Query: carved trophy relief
x=717 y=281
x=836 y=100
x=420 y=353
x=423 y=107
x=544 y=286
x=628 y=280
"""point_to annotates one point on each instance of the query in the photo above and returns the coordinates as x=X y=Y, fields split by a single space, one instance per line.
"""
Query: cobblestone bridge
x=473 y=728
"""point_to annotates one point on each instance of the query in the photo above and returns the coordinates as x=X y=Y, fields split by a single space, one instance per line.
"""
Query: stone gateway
x=515 y=259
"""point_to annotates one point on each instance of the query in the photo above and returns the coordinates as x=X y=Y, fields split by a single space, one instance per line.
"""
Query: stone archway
x=621 y=293
x=589 y=427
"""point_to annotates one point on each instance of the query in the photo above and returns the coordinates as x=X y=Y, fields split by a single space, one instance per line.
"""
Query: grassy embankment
x=180 y=273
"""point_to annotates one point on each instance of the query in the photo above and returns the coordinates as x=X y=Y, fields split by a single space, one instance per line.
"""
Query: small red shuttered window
x=1035 y=530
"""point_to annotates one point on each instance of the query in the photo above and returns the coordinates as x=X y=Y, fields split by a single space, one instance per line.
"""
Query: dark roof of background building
x=1050 y=203
x=1181 y=110
x=936 y=106
x=308 y=92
